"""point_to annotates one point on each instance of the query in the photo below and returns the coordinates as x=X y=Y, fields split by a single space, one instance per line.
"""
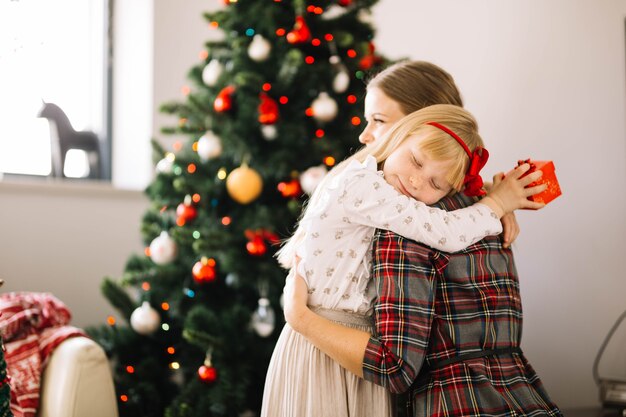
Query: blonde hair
x=417 y=84
x=436 y=144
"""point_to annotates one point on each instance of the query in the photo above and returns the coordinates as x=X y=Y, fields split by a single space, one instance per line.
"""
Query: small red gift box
x=548 y=177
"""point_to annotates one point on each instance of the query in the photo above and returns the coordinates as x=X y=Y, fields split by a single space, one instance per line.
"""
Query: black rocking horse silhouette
x=63 y=137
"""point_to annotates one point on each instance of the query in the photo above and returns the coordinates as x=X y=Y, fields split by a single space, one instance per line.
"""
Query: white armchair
x=77 y=382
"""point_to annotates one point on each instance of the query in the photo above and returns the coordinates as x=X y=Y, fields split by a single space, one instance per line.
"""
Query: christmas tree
x=5 y=388
x=275 y=103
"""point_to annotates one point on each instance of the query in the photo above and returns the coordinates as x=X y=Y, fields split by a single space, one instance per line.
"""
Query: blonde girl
x=408 y=86
x=426 y=156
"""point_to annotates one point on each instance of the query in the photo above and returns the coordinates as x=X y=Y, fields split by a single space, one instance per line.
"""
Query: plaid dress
x=434 y=306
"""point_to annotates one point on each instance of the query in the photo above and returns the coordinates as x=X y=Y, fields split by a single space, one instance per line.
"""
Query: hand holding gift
x=541 y=185
x=553 y=190
x=512 y=191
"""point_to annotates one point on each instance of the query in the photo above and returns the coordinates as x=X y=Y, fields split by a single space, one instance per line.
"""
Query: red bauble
x=224 y=100
x=290 y=189
x=186 y=212
x=345 y=3
x=207 y=374
x=256 y=247
x=300 y=32
x=268 y=109
x=370 y=59
x=204 y=271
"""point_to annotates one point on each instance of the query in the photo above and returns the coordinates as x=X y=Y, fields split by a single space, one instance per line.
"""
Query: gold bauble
x=244 y=184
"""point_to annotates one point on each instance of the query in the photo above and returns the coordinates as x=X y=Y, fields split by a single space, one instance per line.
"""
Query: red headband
x=473 y=182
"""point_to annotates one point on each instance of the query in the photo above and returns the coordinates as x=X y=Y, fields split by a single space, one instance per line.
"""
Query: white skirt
x=304 y=382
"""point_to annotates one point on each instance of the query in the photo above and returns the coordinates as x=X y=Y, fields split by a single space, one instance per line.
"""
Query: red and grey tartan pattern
x=433 y=306
x=32 y=325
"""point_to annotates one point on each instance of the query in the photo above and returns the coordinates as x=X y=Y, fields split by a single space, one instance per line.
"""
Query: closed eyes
x=419 y=165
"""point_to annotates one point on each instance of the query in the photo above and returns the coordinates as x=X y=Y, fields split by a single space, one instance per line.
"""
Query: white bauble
x=163 y=249
x=341 y=82
x=365 y=16
x=324 y=107
x=333 y=11
x=263 y=319
x=209 y=146
x=310 y=179
x=211 y=72
x=165 y=165
x=232 y=280
x=269 y=132
x=259 y=49
x=145 y=320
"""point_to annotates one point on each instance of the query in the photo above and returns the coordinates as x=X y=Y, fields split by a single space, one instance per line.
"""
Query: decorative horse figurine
x=63 y=137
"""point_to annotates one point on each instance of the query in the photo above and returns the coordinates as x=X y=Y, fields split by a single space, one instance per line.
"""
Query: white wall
x=545 y=79
x=64 y=238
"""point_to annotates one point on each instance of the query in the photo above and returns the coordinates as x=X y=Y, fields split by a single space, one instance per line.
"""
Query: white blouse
x=339 y=228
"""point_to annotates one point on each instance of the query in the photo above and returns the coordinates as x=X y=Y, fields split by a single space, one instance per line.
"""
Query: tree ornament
x=263 y=319
x=212 y=72
x=232 y=280
x=179 y=183
x=145 y=320
x=163 y=249
x=344 y=3
x=256 y=247
x=257 y=239
x=209 y=146
x=291 y=189
x=333 y=11
x=310 y=179
x=203 y=271
x=268 y=109
x=186 y=211
x=365 y=16
x=341 y=82
x=244 y=184
x=269 y=132
x=224 y=100
x=207 y=373
x=165 y=165
x=370 y=59
x=324 y=107
x=300 y=32
x=259 y=49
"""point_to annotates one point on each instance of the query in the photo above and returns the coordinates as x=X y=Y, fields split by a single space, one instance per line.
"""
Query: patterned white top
x=335 y=250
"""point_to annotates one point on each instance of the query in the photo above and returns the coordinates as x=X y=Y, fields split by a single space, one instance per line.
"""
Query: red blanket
x=32 y=325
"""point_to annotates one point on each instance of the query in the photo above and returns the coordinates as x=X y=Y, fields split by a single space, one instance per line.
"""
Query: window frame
x=104 y=132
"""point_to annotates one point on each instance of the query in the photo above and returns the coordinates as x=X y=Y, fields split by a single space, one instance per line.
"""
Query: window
x=52 y=51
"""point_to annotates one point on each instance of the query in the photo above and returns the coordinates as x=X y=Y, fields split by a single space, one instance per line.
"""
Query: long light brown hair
x=416 y=84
